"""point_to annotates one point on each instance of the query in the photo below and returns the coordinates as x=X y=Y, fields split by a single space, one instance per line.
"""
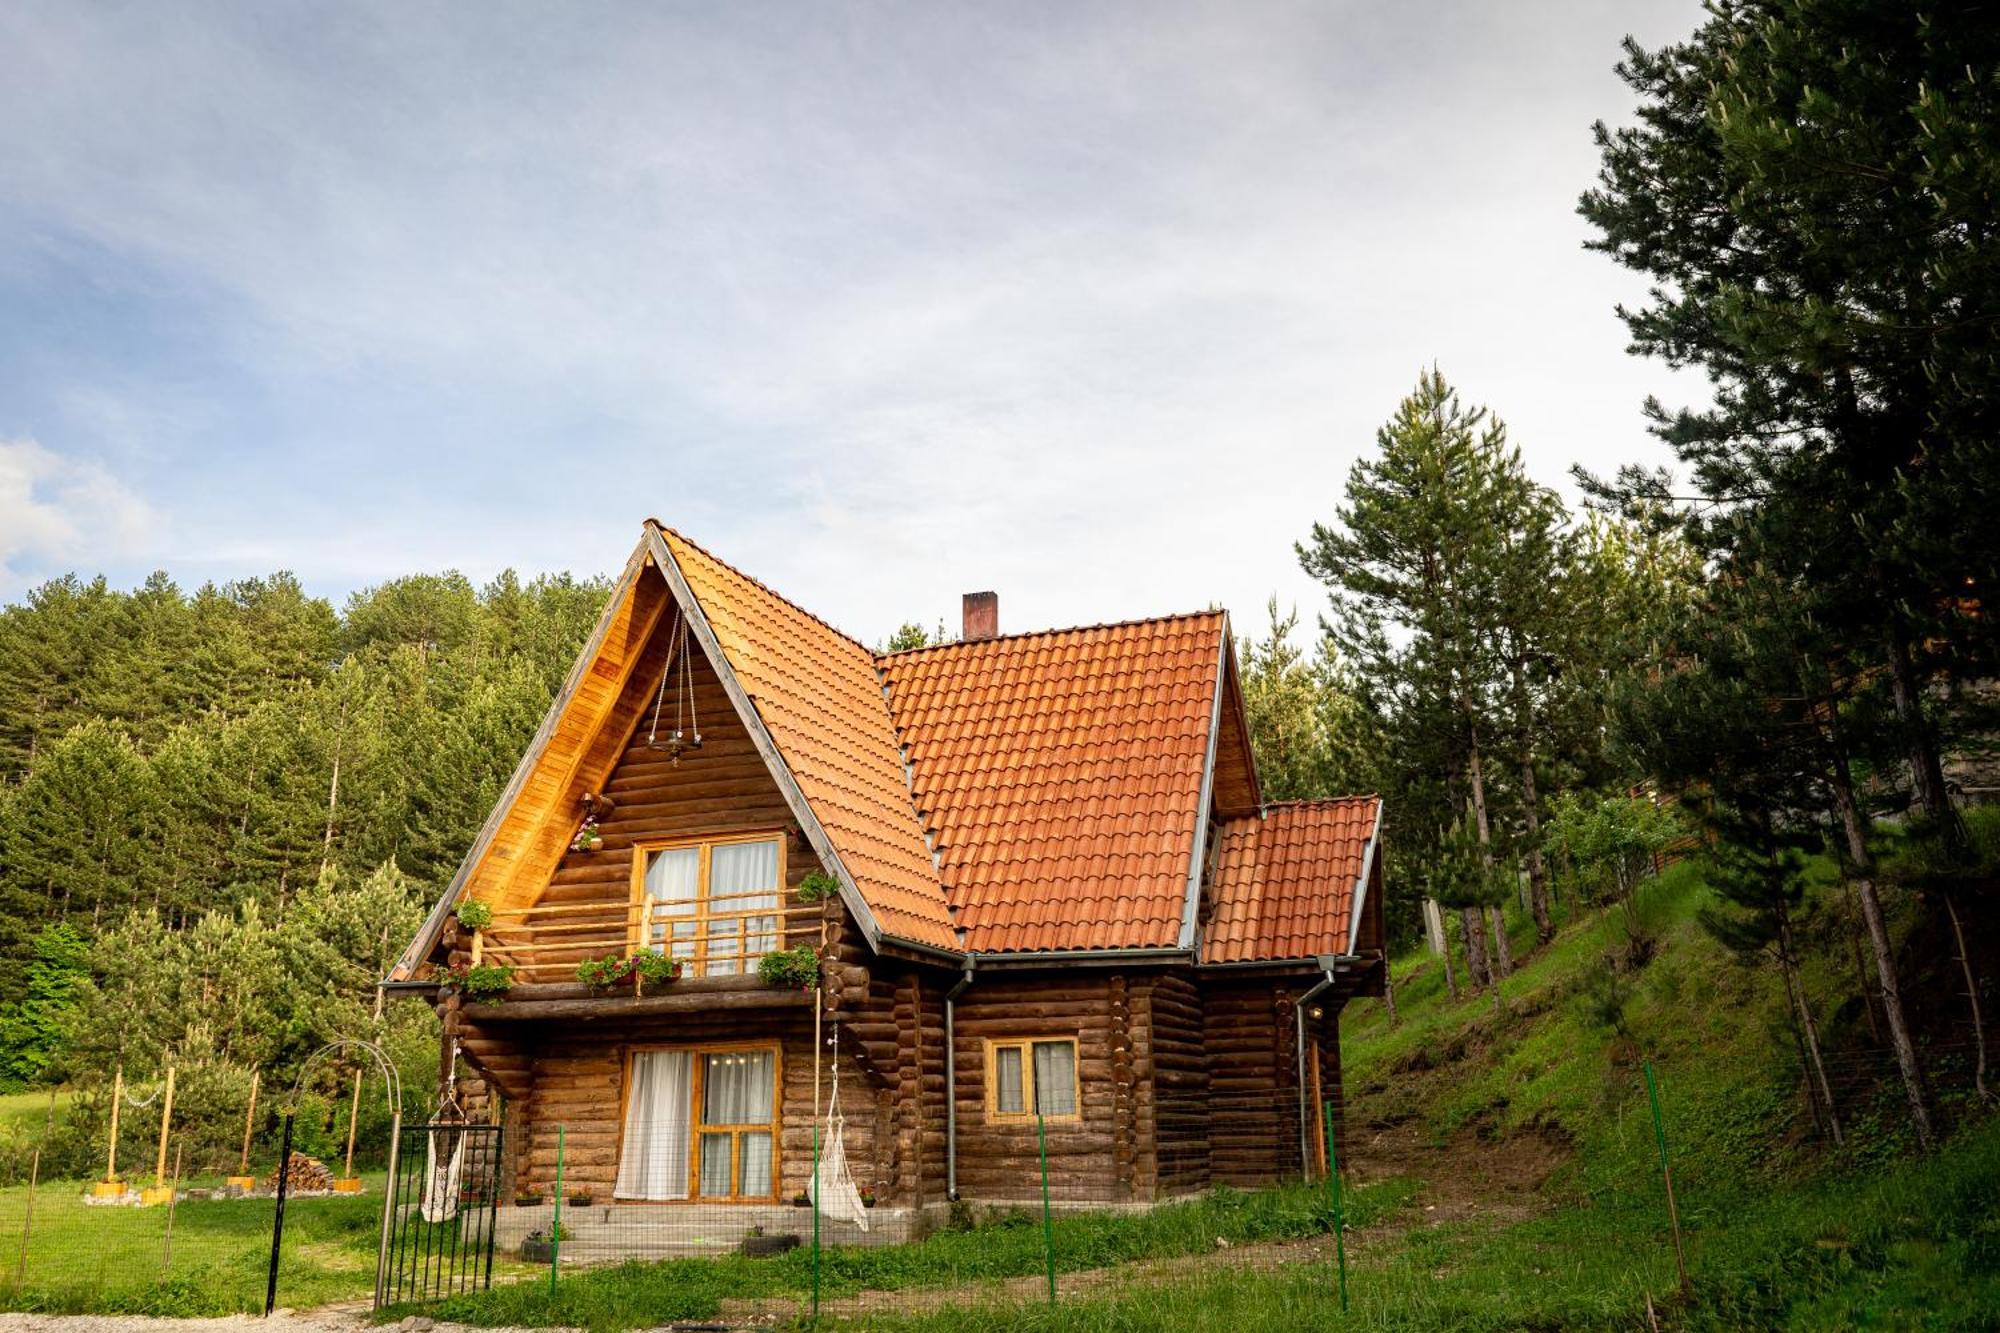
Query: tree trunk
x=1856 y=837
x=1972 y=996
x=1870 y=1000
x=1450 y=982
x=1795 y=988
x=1388 y=989
x=1503 y=956
x=1501 y=965
x=1531 y=814
x=1477 y=969
x=1926 y=765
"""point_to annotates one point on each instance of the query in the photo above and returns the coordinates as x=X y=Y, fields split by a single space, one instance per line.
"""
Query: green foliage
x=611 y=970
x=1312 y=731
x=910 y=636
x=1610 y=840
x=32 y=1028
x=487 y=981
x=817 y=886
x=474 y=914
x=796 y=968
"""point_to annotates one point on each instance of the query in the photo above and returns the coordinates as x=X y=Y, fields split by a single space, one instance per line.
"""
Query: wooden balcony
x=714 y=939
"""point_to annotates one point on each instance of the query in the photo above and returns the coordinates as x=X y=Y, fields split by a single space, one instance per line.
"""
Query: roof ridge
x=1302 y=801
x=753 y=580
x=1054 y=632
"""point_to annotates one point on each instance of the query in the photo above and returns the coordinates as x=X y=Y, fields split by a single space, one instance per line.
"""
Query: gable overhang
x=402 y=973
x=774 y=759
x=1198 y=846
x=1367 y=877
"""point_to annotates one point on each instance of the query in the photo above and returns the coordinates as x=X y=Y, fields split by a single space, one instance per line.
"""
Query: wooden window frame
x=642 y=910
x=697 y=1087
x=1027 y=1045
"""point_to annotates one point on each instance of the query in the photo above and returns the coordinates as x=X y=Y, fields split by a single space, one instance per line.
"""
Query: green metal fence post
x=1048 y=1222
x=1339 y=1210
x=815 y=1197
x=555 y=1218
x=1667 y=1175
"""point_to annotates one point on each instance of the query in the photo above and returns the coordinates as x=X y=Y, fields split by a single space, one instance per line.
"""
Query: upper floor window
x=714 y=904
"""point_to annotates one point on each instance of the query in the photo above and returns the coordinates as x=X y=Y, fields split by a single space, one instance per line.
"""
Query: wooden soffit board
x=538 y=821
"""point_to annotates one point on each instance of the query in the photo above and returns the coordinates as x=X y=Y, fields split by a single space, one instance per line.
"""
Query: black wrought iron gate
x=443 y=1201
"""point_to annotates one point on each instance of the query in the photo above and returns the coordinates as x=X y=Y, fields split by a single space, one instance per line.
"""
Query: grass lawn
x=115 y=1260
x=638 y=1295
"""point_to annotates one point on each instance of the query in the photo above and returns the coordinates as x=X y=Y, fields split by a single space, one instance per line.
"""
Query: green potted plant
x=601 y=974
x=817 y=887
x=474 y=914
x=488 y=981
x=588 y=838
x=655 y=969
x=790 y=969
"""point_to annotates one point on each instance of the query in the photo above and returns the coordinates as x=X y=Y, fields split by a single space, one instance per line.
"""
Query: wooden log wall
x=1000 y=1161
x=722 y=788
x=1253 y=1108
x=1180 y=1092
x=580 y=1086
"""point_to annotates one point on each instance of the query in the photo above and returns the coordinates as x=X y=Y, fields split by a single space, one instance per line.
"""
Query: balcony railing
x=719 y=936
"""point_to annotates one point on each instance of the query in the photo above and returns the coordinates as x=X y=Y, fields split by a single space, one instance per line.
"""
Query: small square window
x=1032 y=1076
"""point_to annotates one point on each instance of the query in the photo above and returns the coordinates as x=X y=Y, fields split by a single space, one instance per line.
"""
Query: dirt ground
x=1467 y=1178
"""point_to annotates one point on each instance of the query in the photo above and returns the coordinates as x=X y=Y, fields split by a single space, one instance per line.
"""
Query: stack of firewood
x=307 y=1173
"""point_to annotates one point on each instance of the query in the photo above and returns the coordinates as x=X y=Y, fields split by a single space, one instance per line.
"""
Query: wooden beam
x=676 y=1001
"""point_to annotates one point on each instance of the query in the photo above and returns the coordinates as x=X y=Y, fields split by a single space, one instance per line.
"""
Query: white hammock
x=440 y=1202
x=833 y=1187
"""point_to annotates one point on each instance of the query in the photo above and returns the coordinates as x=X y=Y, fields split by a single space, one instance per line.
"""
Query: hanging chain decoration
x=137 y=1105
x=686 y=733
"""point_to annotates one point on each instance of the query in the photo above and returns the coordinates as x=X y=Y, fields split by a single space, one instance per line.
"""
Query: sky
x=1093 y=304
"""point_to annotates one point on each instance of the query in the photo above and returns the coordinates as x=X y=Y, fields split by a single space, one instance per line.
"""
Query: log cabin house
x=1057 y=891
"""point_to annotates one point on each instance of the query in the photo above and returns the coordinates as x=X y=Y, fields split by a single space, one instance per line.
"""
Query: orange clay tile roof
x=1060 y=775
x=819 y=696
x=1284 y=882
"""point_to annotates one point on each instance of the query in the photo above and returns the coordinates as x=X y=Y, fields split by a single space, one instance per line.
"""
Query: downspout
x=1299 y=1068
x=951 y=1083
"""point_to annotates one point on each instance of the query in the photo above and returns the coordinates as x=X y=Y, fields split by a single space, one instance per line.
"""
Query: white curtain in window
x=715 y=1149
x=673 y=879
x=744 y=868
x=653 y=1164
x=736 y=1088
x=756 y=1154
x=1007 y=1098
x=1055 y=1078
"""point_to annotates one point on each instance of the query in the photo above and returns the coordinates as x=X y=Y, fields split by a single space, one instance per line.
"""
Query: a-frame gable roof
x=816 y=694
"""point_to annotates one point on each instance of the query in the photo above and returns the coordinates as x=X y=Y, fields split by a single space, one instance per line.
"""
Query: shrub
x=817 y=887
x=794 y=969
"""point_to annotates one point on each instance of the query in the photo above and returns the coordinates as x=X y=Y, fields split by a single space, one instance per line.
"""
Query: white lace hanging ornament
x=833 y=1185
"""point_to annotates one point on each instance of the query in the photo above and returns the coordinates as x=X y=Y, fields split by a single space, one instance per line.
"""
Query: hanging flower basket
x=588 y=838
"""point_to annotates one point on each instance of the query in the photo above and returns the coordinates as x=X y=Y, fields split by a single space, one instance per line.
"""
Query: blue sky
x=1094 y=304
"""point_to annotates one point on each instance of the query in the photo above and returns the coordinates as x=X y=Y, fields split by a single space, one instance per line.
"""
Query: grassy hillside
x=1525 y=1149
x=1781 y=1226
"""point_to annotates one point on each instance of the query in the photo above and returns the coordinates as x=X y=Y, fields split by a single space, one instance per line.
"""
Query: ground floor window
x=1031 y=1076
x=700 y=1123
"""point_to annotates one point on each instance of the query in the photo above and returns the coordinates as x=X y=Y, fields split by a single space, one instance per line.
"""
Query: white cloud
x=1091 y=302
x=56 y=511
